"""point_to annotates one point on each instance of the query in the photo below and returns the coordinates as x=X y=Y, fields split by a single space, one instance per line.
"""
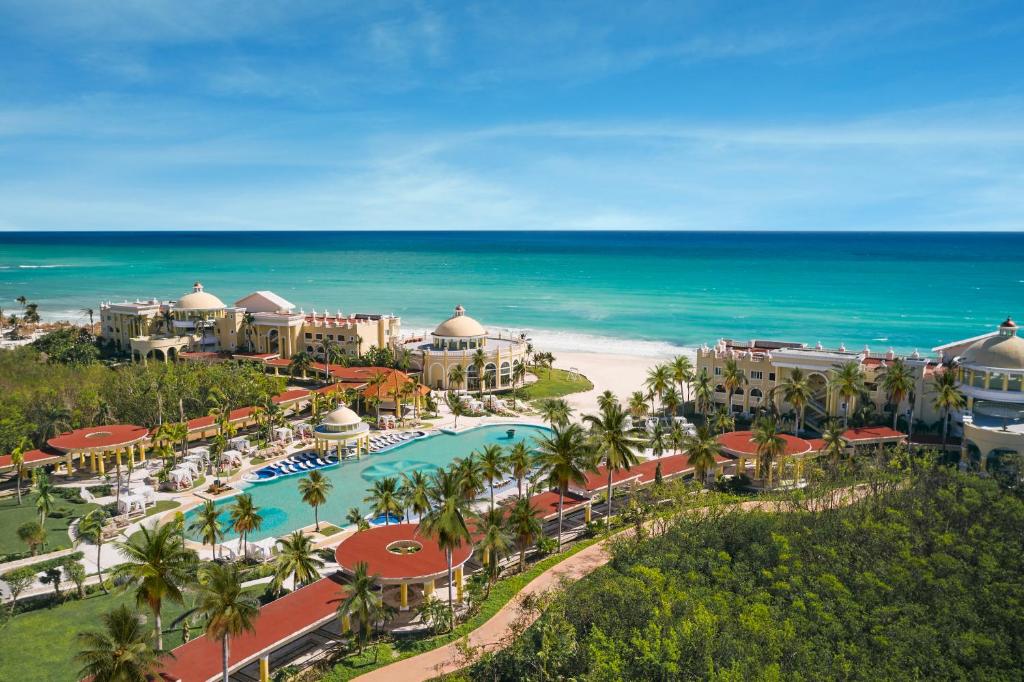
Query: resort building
x=260 y=323
x=990 y=374
x=767 y=364
x=461 y=340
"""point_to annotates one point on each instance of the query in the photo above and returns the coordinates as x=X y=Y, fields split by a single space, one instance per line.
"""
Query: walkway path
x=495 y=633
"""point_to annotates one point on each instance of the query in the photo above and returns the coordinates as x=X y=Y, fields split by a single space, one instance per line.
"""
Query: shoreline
x=618 y=373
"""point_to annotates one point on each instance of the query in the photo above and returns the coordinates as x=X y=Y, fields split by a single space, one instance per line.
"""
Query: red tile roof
x=872 y=434
x=200 y=659
x=546 y=504
x=741 y=443
x=32 y=457
x=371 y=546
x=98 y=437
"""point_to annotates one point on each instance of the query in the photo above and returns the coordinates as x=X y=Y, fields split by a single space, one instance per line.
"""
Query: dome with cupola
x=1002 y=350
x=341 y=417
x=199 y=300
x=460 y=326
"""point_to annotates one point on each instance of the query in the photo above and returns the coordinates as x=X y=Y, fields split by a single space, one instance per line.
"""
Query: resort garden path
x=497 y=632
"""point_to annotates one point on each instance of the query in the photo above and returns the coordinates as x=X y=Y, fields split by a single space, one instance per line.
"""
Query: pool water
x=282 y=507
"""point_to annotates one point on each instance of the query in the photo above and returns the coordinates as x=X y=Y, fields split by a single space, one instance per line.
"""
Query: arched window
x=719 y=388
x=506 y=373
x=755 y=393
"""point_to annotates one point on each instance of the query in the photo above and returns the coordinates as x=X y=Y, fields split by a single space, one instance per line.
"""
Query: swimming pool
x=281 y=504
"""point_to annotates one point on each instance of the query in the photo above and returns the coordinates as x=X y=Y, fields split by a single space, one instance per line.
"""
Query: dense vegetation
x=918 y=581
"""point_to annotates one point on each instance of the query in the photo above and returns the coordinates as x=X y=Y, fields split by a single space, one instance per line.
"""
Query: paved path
x=494 y=634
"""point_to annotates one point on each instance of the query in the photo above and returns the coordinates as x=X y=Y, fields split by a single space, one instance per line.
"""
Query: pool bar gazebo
x=344 y=429
x=97 y=444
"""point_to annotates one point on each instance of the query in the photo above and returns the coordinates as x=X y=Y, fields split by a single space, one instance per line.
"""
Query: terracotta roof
x=293 y=394
x=281 y=620
x=395 y=379
x=817 y=444
x=872 y=434
x=99 y=437
x=740 y=443
x=371 y=546
x=546 y=504
x=32 y=458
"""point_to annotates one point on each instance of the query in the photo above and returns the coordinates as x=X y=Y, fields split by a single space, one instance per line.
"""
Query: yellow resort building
x=260 y=323
x=461 y=340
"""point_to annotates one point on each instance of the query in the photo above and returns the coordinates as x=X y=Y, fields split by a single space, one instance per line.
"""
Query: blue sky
x=172 y=114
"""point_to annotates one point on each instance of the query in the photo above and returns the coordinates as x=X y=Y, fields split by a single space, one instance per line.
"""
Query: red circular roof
x=371 y=546
x=99 y=437
x=741 y=443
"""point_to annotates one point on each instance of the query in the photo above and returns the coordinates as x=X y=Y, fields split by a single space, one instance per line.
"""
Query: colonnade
x=134 y=453
x=322 y=445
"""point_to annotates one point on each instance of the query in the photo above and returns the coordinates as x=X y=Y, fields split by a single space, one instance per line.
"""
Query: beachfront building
x=767 y=364
x=261 y=323
x=990 y=374
x=461 y=340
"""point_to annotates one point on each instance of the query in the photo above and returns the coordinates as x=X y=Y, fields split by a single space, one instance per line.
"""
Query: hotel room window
x=319 y=337
x=718 y=371
x=756 y=375
x=771 y=376
x=308 y=335
x=1013 y=384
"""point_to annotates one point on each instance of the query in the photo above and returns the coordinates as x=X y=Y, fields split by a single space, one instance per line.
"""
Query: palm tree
x=471 y=476
x=796 y=390
x=671 y=401
x=723 y=420
x=478 y=362
x=446 y=521
x=362 y=600
x=296 y=559
x=120 y=652
x=555 y=411
x=384 y=499
x=248 y=325
x=833 y=437
x=18 y=461
x=355 y=517
x=45 y=495
x=703 y=392
x=457 y=406
x=456 y=375
x=300 y=364
x=494 y=466
x=518 y=373
x=524 y=524
x=157 y=565
x=733 y=377
x=659 y=378
x=847 y=381
x=54 y=420
x=245 y=518
x=677 y=438
x=614 y=442
x=90 y=313
x=91 y=528
x=703 y=449
x=208 y=526
x=947 y=398
x=682 y=373
x=33 y=534
x=606 y=400
x=770 y=446
x=495 y=542
x=228 y=609
x=314 y=489
x=898 y=383
x=563 y=456
x=520 y=461
x=374 y=387
x=658 y=440
x=415 y=492
x=638 y=404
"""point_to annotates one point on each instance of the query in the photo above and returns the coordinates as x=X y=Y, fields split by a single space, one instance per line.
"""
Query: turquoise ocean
x=642 y=293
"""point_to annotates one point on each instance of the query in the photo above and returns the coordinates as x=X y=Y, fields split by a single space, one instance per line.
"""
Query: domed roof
x=199 y=300
x=460 y=325
x=1004 y=350
x=342 y=416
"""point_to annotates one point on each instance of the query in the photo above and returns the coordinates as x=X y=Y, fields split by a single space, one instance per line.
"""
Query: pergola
x=400 y=555
x=873 y=435
x=97 y=443
x=741 y=445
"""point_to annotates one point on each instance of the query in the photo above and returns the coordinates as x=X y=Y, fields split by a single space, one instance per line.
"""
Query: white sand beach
x=620 y=374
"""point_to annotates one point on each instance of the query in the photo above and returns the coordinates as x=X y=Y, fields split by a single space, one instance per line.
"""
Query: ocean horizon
x=639 y=293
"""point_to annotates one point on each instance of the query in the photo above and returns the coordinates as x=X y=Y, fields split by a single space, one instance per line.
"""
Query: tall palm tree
x=898 y=383
x=456 y=375
x=555 y=411
x=158 y=565
x=375 y=388
x=638 y=404
x=355 y=517
x=723 y=420
x=770 y=446
x=520 y=462
x=18 y=462
x=120 y=652
x=703 y=392
x=457 y=406
x=90 y=313
x=677 y=438
x=606 y=400
x=833 y=437
x=682 y=374
x=91 y=528
x=495 y=542
x=658 y=440
x=947 y=398
x=314 y=488
x=384 y=499
x=658 y=380
x=46 y=494
x=415 y=492
x=229 y=610
x=471 y=476
x=248 y=325
x=54 y=420
x=245 y=518
x=614 y=442
x=478 y=362
x=703 y=449
x=300 y=364
x=363 y=600
x=296 y=559
x=564 y=456
x=207 y=525
x=494 y=466
x=796 y=390
x=671 y=400
x=733 y=377
x=446 y=522
x=524 y=524
x=518 y=373
x=847 y=381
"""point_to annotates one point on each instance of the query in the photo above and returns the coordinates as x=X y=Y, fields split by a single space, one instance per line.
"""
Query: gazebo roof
x=372 y=547
x=741 y=444
x=99 y=438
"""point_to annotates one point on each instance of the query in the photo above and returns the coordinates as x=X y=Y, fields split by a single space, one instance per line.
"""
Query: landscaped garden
x=12 y=516
x=554 y=383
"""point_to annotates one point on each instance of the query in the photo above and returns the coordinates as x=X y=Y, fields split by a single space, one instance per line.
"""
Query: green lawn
x=162 y=506
x=12 y=516
x=554 y=383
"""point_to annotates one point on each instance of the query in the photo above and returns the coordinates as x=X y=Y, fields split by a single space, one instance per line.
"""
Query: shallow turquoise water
x=282 y=507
